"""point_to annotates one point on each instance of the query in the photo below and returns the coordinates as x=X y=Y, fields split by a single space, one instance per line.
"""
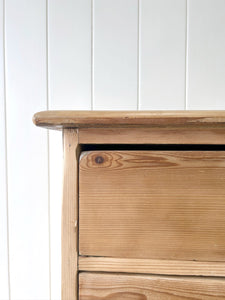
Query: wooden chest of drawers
x=143 y=214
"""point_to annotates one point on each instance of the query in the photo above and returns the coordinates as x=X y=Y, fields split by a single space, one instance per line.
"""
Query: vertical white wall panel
x=69 y=36
x=206 y=54
x=69 y=69
x=162 y=43
x=55 y=206
x=115 y=40
x=4 y=275
x=27 y=149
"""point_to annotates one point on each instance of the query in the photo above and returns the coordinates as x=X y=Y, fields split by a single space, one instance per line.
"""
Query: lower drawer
x=96 y=286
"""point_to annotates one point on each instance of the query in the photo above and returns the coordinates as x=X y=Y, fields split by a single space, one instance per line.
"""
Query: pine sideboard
x=143 y=209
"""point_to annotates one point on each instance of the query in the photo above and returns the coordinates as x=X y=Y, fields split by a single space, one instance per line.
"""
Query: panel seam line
x=6 y=152
x=48 y=150
x=186 y=56
x=138 y=56
x=92 y=59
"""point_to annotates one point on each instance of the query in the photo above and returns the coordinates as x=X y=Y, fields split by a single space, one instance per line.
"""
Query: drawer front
x=152 y=204
x=142 y=287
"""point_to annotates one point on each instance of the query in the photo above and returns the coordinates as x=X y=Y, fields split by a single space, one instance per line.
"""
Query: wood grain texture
x=151 y=136
x=151 y=266
x=70 y=215
x=153 y=204
x=140 y=287
x=78 y=119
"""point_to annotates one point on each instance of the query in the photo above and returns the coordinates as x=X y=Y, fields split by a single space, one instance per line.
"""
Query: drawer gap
x=149 y=147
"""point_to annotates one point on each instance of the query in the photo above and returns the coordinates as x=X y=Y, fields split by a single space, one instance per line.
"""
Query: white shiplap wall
x=115 y=49
x=206 y=54
x=4 y=272
x=83 y=54
x=162 y=44
x=27 y=151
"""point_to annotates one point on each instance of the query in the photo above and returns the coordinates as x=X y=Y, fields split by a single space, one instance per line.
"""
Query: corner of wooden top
x=36 y=118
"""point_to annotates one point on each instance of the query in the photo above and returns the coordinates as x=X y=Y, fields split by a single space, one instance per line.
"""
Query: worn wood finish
x=151 y=136
x=153 y=204
x=79 y=119
x=140 y=287
x=142 y=212
x=70 y=215
x=151 y=266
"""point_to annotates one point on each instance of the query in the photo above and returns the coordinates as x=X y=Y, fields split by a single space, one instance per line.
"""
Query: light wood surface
x=151 y=266
x=79 y=119
x=152 y=136
x=153 y=204
x=93 y=286
x=70 y=215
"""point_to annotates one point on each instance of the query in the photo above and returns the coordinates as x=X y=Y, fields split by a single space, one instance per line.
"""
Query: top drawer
x=152 y=204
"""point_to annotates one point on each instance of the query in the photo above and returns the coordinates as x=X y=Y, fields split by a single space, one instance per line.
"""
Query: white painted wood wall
x=83 y=54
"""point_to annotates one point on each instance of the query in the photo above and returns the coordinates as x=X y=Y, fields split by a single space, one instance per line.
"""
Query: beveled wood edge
x=150 y=266
x=88 y=119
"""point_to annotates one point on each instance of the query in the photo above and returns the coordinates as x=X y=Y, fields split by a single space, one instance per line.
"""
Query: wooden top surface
x=85 y=119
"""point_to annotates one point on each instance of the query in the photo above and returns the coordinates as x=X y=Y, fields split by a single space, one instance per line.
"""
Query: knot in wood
x=99 y=159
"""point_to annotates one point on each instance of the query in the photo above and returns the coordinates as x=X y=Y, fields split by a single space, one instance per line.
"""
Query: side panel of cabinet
x=69 y=235
x=141 y=287
x=152 y=204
